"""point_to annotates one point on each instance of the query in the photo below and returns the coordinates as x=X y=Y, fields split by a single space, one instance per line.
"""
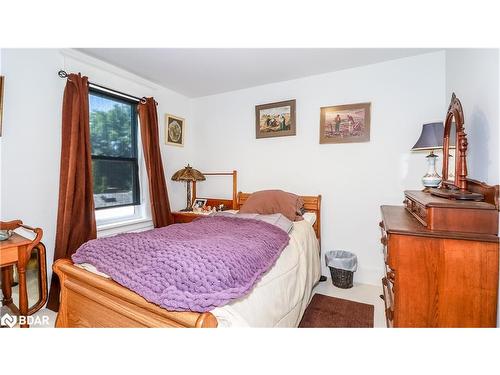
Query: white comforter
x=280 y=298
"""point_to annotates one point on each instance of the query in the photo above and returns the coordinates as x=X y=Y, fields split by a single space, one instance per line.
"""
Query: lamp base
x=431 y=179
x=430 y=182
x=188 y=197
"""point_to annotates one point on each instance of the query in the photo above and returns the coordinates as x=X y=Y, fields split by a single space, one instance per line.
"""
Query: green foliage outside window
x=114 y=155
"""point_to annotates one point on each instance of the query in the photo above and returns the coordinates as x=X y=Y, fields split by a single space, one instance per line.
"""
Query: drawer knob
x=391 y=276
x=389 y=313
x=383 y=240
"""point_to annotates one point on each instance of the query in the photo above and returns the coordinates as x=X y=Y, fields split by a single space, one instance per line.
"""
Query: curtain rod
x=142 y=100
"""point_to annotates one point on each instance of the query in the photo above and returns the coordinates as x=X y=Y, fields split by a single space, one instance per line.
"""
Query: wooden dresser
x=440 y=277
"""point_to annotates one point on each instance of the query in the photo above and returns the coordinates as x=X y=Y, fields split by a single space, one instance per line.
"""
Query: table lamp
x=430 y=139
x=188 y=174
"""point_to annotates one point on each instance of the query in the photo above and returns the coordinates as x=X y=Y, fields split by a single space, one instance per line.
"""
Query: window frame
x=134 y=123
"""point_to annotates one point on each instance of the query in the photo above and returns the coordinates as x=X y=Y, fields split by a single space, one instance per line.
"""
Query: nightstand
x=185 y=217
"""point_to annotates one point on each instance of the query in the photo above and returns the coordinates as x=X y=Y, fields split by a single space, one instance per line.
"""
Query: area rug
x=331 y=312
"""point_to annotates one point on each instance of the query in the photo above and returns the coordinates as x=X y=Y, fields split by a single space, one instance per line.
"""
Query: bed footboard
x=89 y=300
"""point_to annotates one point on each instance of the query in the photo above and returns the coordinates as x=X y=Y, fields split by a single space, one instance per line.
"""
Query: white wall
x=31 y=139
x=473 y=74
x=353 y=179
x=1 y=73
x=175 y=157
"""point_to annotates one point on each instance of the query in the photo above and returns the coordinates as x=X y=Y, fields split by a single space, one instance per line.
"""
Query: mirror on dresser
x=451 y=151
x=454 y=180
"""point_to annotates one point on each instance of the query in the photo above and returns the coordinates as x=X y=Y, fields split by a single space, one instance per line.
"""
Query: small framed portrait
x=275 y=119
x=345 y=123
x=175 y=128
x=199 y=203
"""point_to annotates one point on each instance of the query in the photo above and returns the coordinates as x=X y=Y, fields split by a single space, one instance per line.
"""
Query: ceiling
x=196 y=72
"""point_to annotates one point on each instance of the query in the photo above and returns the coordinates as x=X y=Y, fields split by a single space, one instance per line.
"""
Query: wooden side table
x=185 y=217
x=17 y=251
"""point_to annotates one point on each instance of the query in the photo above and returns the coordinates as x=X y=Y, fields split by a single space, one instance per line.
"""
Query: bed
x=277 y=300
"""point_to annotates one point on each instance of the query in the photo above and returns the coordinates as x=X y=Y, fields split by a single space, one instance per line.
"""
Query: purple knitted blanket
x=189 y=267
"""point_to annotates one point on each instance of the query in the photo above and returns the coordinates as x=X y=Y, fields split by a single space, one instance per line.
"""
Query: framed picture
x=199 y=203
x=275 y=119
x=345 y=123
x=175 y=127
x=1 y=103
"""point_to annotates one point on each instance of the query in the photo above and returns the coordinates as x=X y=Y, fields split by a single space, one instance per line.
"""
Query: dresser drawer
x=440 y=214
x=384 y=240
x=417 y=209
x=8 y=256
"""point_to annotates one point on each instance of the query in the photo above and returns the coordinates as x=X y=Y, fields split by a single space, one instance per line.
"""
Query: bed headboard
x=228 y=203
x=311 y=204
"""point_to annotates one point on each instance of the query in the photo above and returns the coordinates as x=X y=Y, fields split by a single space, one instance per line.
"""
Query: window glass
x=113 y=138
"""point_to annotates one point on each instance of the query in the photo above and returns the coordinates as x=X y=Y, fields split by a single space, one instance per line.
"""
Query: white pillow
x=277 y=220
x=230 y=211
x=310 y=217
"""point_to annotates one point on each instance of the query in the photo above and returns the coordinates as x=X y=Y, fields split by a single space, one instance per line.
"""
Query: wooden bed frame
x=90 y=300
x=213 y=202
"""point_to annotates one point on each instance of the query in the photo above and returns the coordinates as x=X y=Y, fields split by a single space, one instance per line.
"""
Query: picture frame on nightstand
x=199 y=203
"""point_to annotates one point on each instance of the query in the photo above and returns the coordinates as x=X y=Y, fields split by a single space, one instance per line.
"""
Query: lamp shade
x=431 y=137
x=188 y=173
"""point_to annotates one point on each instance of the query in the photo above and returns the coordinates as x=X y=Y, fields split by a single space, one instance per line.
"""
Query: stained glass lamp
x=188 y=174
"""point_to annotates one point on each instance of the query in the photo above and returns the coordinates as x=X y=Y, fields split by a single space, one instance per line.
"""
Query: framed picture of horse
x=345 y=123
x=275 y=119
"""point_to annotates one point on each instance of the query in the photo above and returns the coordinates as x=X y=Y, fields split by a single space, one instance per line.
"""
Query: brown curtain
x=160 y=206
x=75 y=216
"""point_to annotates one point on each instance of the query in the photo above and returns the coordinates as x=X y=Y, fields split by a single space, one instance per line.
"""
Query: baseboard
x=363 y=275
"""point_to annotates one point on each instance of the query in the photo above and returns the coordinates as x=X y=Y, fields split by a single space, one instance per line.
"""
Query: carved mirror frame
x=456 y=188
x=455 y=113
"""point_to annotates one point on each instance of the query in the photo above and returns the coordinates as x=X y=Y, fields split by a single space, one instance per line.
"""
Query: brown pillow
x=268 y=202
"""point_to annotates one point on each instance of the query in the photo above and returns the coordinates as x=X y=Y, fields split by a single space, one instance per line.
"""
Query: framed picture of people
x=275 y=119
x=345 y=123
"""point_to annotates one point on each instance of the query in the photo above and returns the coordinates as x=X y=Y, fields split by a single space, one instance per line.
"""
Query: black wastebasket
x=342 y=266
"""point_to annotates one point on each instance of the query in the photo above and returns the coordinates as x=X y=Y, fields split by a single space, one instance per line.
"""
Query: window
x=113 y=138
